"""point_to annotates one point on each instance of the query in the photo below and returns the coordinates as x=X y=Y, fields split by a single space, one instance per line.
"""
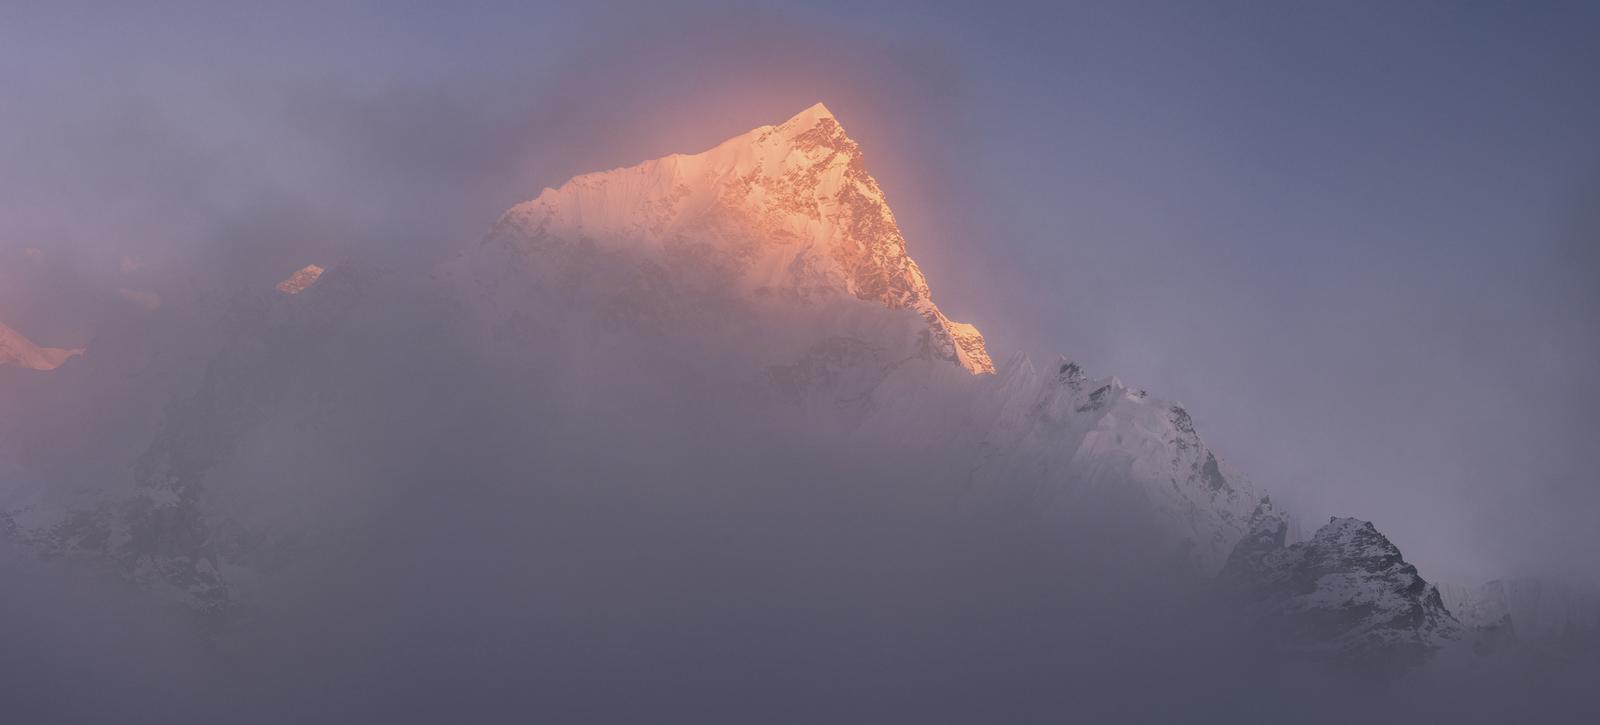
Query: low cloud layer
x=596 y=525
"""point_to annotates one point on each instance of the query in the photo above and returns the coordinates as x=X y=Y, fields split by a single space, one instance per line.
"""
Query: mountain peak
x=791 y=207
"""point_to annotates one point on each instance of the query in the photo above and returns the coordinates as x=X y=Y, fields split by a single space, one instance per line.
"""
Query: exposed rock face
x=1345 y=593
x=19 y=351
x=784 y=212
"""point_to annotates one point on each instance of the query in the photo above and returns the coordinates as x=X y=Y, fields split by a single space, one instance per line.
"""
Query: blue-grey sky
x=1356 y=239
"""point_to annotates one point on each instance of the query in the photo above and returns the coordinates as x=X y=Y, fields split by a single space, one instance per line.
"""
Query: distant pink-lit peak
x=301 y=280
x=19 y=351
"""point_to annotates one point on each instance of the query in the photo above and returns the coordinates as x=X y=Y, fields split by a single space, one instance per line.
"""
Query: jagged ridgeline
x=763 y=284
x=780 y=243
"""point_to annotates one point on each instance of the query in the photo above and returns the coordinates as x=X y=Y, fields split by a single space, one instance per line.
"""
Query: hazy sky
x=1357 y=240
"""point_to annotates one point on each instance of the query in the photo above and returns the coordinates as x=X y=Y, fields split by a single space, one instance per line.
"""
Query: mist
x=625 y=536
x=1357 y=243
x=1182 y=216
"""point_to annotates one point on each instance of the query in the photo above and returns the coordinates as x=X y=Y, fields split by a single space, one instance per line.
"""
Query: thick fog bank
x=593 y=523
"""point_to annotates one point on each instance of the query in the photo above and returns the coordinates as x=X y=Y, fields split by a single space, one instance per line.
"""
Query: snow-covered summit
x=786 y=212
